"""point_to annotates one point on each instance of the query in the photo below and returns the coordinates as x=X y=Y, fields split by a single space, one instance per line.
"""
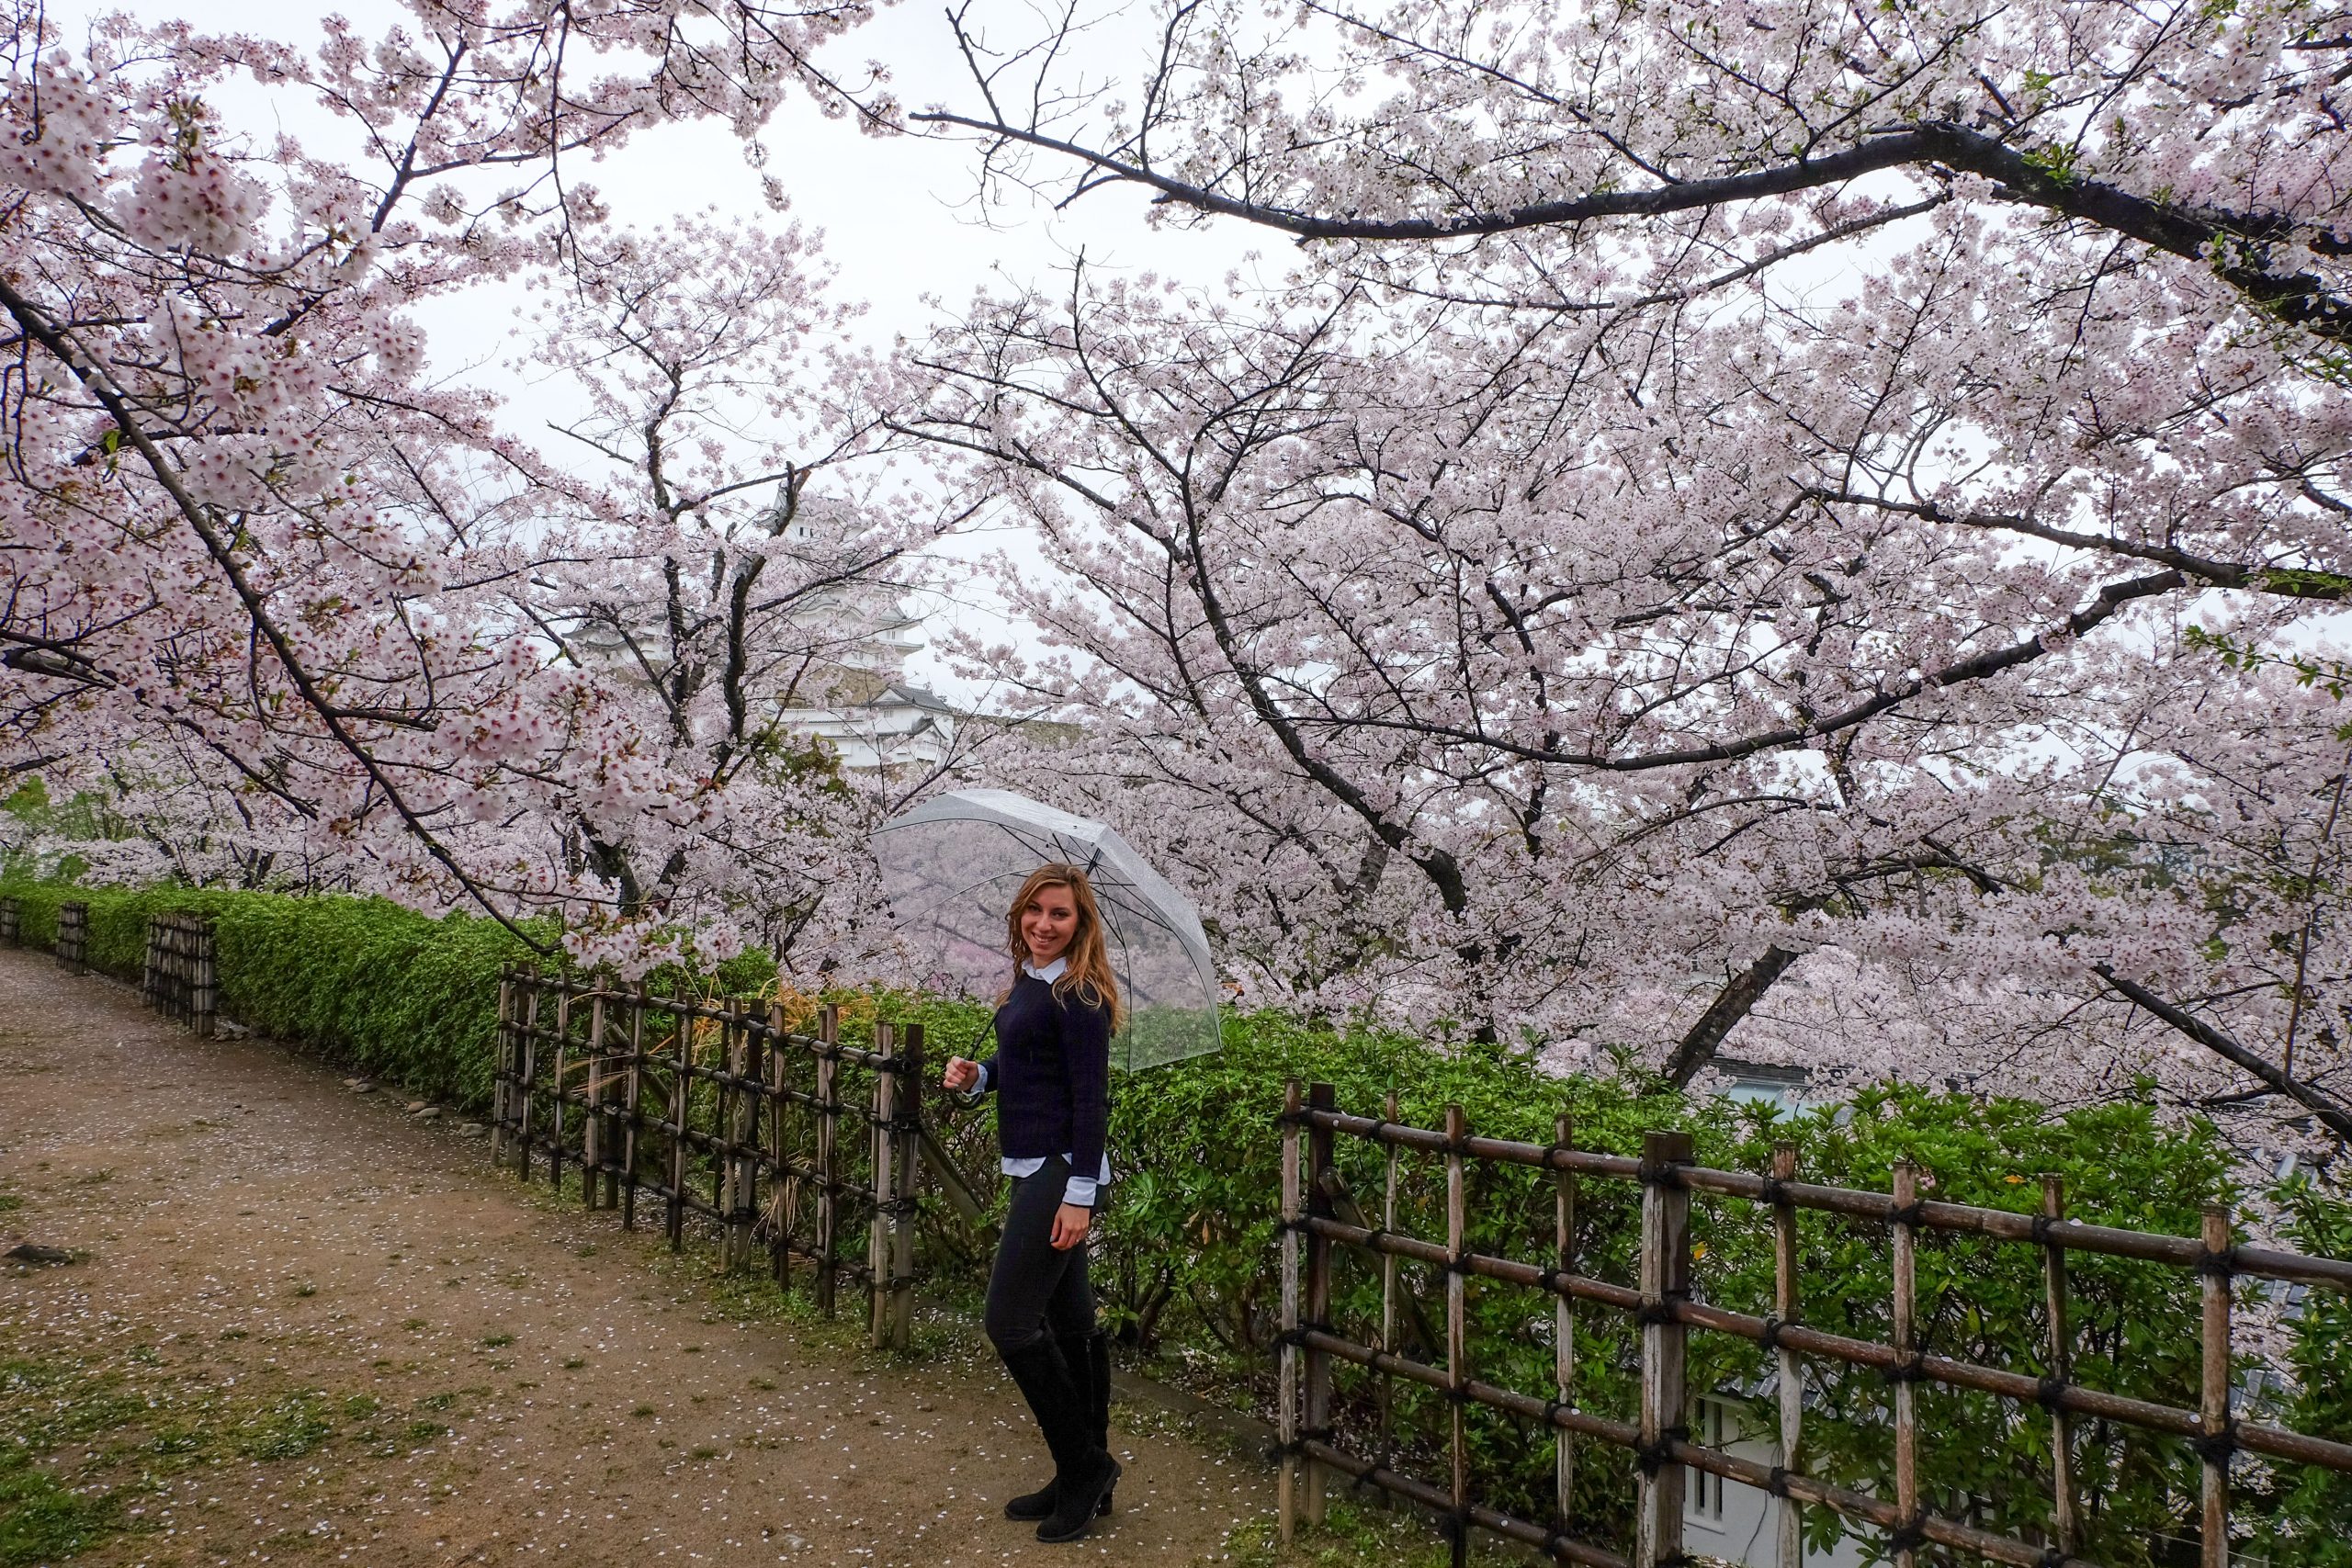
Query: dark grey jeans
x=1036 y=1288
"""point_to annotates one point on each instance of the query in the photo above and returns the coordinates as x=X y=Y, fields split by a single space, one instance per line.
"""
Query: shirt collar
x=1050 y=973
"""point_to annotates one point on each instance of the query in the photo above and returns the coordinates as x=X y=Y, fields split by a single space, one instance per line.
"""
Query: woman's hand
x=1071 y=1222
x=962 y=1076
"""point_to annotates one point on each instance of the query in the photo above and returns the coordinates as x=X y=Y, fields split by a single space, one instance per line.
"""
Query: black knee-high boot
x=1087 y=1357
x=1094 y=1354
x=1084 y=1470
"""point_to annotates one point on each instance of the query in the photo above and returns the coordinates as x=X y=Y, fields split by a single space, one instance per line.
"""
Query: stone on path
x=28 y=1252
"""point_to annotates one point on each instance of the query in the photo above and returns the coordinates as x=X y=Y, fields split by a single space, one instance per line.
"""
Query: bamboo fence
x=1318 y=1216
x=181 y=977
x=719 y=1113
x=73 y=936
x=12 y=922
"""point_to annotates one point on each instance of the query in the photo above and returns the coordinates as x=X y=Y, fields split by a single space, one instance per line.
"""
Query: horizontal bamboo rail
x=1998 y=1225
x=719 y=1110
x=1664 y=1307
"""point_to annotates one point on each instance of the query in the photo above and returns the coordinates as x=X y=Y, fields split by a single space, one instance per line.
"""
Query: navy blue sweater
x=1052 y=1075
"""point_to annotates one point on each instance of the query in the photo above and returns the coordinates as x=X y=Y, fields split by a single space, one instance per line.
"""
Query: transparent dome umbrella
x=952 y=866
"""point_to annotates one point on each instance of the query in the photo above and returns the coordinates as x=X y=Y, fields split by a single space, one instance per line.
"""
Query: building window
x=1711 y=1430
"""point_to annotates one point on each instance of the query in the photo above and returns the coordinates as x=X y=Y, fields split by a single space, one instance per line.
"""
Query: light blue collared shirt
x=1082 y=1188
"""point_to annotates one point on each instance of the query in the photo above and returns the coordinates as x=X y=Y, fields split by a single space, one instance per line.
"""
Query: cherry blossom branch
x=2233 y=246
x=2332 y=1113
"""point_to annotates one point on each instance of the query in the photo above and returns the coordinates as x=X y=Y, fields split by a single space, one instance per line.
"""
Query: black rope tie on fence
x=1652 y=1314
x=2218 y=1448
x=1654 y=1457
x=1776 y=1484
x=2052 y=1557
x=1912 y=1368
x=2222 y=1263
x=1770 y=1339
x=1910 y=1538
x=1914 y=1214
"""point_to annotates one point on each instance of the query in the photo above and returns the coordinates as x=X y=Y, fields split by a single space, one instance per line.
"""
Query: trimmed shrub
x=395 y=994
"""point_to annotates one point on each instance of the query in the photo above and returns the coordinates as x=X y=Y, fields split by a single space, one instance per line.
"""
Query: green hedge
x=1188 y=1264
x=398 y=995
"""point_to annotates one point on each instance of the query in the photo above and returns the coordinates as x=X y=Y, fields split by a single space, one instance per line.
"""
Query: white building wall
x=1736 y=1522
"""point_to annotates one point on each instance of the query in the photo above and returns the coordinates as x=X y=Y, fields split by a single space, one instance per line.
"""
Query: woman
x=1052 y=1073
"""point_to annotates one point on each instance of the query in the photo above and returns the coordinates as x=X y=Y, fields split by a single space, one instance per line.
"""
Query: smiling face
x=1048 y=922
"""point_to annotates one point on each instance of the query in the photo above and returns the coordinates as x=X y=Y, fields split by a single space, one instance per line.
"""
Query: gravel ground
x=303 y=1326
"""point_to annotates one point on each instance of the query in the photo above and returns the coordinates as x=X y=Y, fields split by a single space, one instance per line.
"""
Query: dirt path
x=304 y=1327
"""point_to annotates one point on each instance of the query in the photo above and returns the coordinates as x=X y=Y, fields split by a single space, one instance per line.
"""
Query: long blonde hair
x=1087 y=973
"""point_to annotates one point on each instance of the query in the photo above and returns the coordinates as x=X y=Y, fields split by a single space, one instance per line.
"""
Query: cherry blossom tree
x=270 y=580
x=1736 y=532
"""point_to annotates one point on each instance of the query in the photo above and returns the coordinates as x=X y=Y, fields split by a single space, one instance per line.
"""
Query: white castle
x=854 y=639
x=859 y=702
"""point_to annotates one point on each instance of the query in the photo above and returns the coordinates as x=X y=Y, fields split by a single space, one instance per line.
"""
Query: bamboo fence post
x=2214 y=1402
x=1315 y=1365
x=1287 y=1487
x=11 y=922
x=1786 y=1307
x=742 y=1134
x=632 y=1104
x=612 y=1138
x=2065 y=1529
x=908 y=1130
x=1665 y=1285
x=499 y=1099
x=722 y=1164
x=206 y=999
x=680 y=1092
x=828 y=1112
x=1457 y=1329
x=524 y=1073
x=591 y=1132
x=878 y=1228
x=1564 y=1321
x=151 y=977
x=1906 y=1387
x=562 y=1060
x=780 y=1180
x=1384 y=1391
